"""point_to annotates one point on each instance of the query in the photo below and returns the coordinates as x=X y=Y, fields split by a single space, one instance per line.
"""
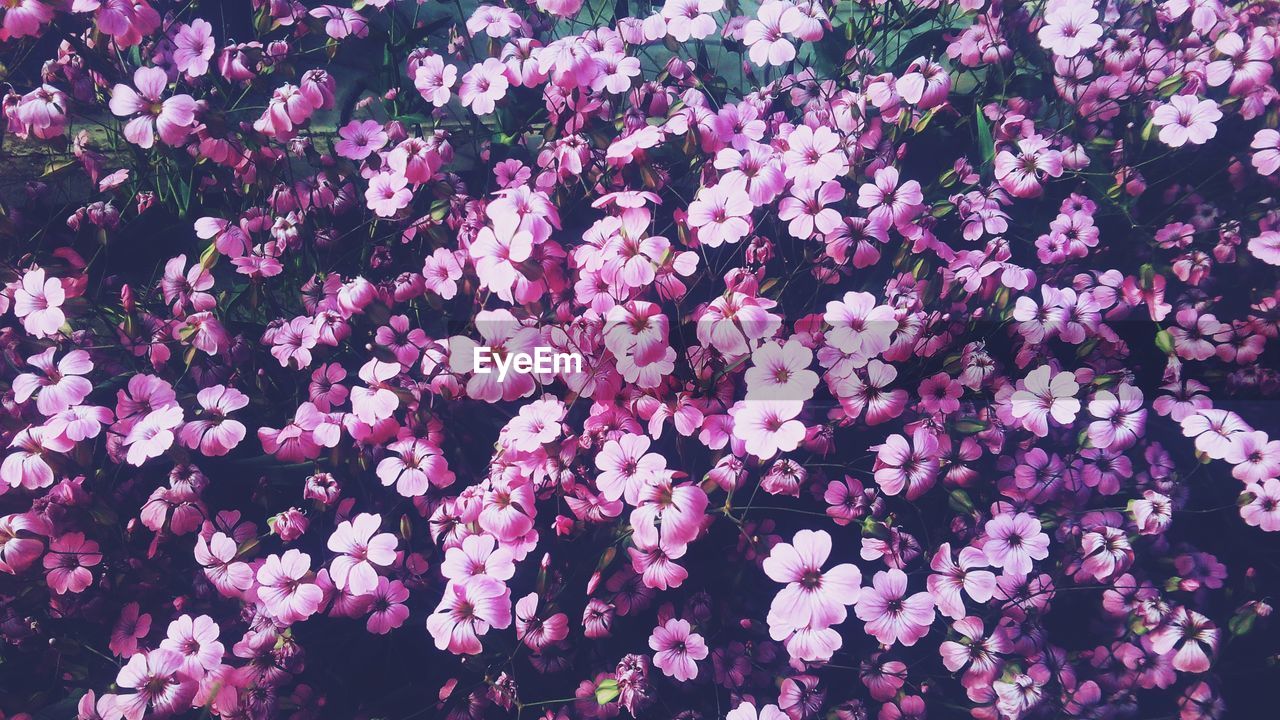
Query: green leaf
x=985 y=140
x=607 y=691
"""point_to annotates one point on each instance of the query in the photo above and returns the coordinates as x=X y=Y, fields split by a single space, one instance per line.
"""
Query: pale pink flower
x=196 y=641
x=1266 y=247
x=950 y=577
x=1014 y=541
x=812 y=598
x=890 y=614
x=535 y=631
x=478 y=554
x=1266 y=156
x=767 y=427
x=467 y=611
x=1121 y=417
x=781 y=372
x=413 y=465
x=193 y=48
x=1213 y=430
x=20 y=546
x=690 y=18
x=1262 y=511
x=160 y=685
x=37 y=301
x=1070 y=29
x=765 y=34
x=361 y=550
x=287 y=588
x=26 y=464
x=212 y=432
x=388 y=194
x=1256 y=457
x=912 y=466
x=814 y=156
x=171 y=118
x=888 y=201
x=434 y=80
x=294 y=341
x=1187 y=119
x=483 y=86
x=677 y=649
x=442 y=272
x=153 y=435
x=626 y=466
x=806 y=209
x=1046 y=394
x=217 y=555
x=59 y=386
x=1191 y=636
x=720 y=214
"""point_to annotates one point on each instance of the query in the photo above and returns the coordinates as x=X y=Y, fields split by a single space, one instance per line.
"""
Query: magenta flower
x=56 y=387
x=170 y=118
x=434 y=80
x=888 y=201
x=677 y=649
x=1192 y=637
x=812 y=598
x=360 y=139
x=890 y=615
x=913 y=466
x=478 y=555
x=212 y=432
x=20 y=545
x=386 y=607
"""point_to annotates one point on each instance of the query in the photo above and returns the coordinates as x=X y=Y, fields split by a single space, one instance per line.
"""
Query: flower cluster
x=921 y=358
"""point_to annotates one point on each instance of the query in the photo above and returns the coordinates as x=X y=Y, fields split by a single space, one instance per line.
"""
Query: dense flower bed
x=927 y=352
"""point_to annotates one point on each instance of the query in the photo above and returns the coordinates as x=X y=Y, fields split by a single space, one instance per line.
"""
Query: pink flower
x=414 y=465
x=193 y=48
x=38 y=303
x=1191 y=636
x=626 y=466
x=781 y=372
x=68 y=561
x=888 y=202
x=285 y=587
x=690 y=18
x=19 y=544
x=483 y=86
x=721 y=214
x=951 y=577
x=1070 y=29
x=1266 y=247
x=287 y=109
x=360 y=552
x=812 y=598
x=196 y=641
x=294 y=341
x=467 y=611
x=806 y=211
x=1266 y=158
x=747 y=711
x=815 y=156
x=212 y=432
x=360 y=139
x=388 y=194
x=1045 y=394
x=677 y=649
x=1014 y=541
x=23 y=18
x=1121 y=418
x=913 y=465
x=130 y=627
x=26 y=465
x=434 y=79
x=386 y=608
x=1023 y=174
x=1213 y=430
x=1262 y=511
x=478 y=555
x=153 y=435
x=764 y=35
x=891 y=616
x=1187 y=119
x=767 y=427
x=171 y=118
x=161 y=686
x=60 y=386
x=217 y=555
x=1255 y=456
x=535 y=631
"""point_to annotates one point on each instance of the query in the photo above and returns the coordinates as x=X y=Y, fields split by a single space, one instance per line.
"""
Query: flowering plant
x=922 y=352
